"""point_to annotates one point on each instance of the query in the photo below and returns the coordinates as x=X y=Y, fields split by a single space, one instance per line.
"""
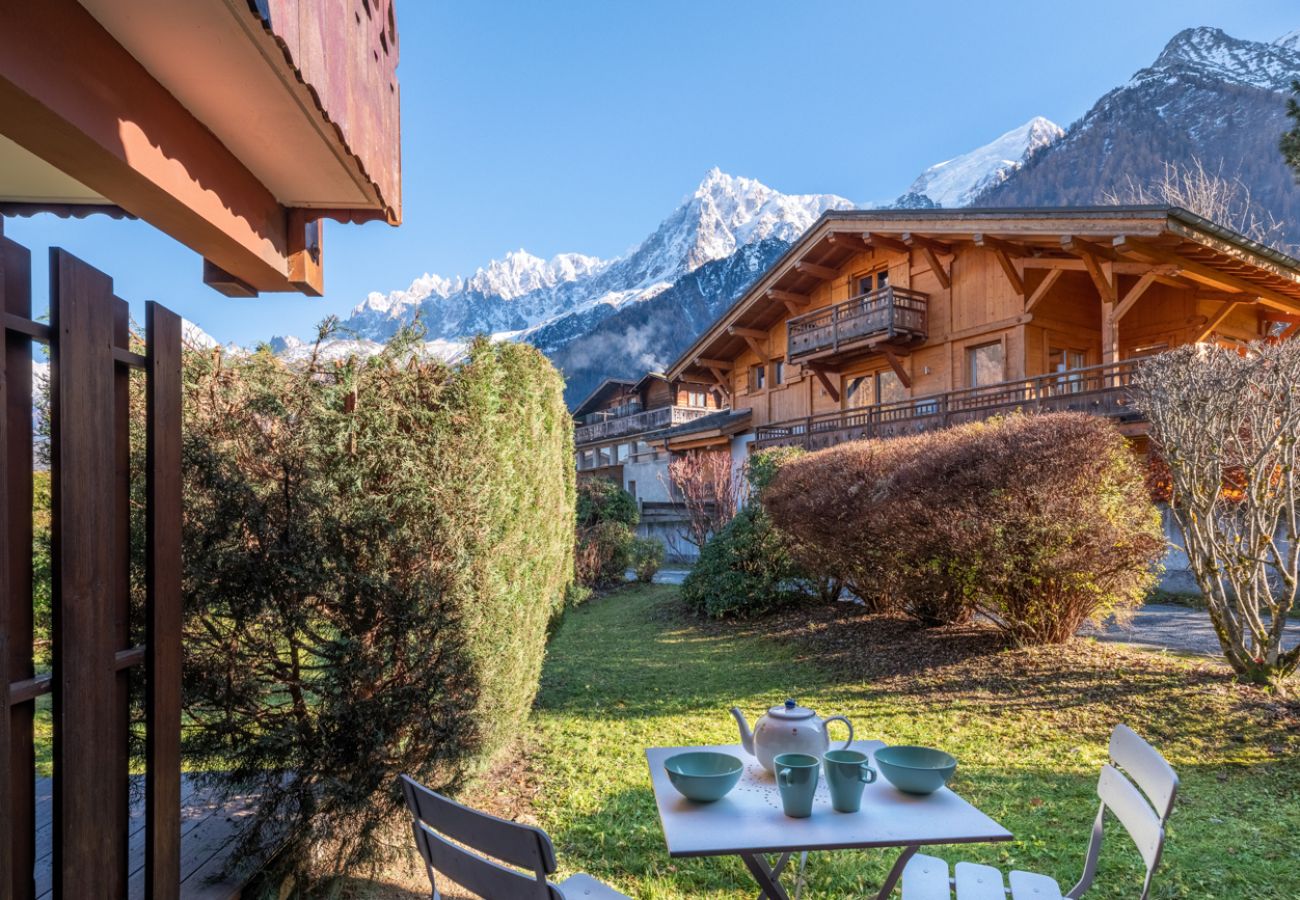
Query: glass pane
x=882 y=279
x=984 y=364
x=858 y=391
x=890 y=387
x=778 y=372
x=622 y=452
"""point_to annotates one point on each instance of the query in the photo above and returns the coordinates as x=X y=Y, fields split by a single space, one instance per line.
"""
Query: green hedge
x=374 y=550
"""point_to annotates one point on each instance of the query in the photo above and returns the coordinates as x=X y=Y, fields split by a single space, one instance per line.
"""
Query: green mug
x=796 y=777
x=847 y=773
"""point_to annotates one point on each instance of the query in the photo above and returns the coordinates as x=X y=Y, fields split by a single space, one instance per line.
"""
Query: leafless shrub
x=705 y=485
x=1208 y=193
x=1227 y=425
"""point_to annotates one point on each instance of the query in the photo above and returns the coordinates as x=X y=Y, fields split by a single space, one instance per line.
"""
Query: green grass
x=1029 y=727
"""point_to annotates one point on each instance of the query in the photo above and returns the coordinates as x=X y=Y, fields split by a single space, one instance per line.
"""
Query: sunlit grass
x=629 y=671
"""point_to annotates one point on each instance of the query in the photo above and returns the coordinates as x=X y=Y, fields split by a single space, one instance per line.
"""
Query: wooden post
x=17 y=752
x=163 y=606
x=89 y=829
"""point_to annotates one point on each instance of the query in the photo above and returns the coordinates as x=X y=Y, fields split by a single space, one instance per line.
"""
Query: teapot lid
x=790 y=710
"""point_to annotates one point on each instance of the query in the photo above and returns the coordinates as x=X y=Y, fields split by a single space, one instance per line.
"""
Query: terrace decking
x=889 y=315
x=209 y=829
x=1099 y=390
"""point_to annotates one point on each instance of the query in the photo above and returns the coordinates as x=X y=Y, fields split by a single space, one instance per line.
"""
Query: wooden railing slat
x=89 y=828
x=17 y=773
x=163 y=605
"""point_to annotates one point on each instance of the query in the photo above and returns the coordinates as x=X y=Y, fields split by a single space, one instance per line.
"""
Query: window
x=873 y=281
x=697 y=397
x=889 y=387
x=621 y=452
x=778 y=372
x=757 y=377
x=604 y=457
x=1065 y=359
x=859 y=391
x=984 y=365
x=631 y=489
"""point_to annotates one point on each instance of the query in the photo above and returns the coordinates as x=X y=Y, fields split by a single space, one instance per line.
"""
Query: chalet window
x=859 y=391
x=1063 y=360
x=889 y=387
x=778 y=372
x=985 y=365
x=873 y=281
x=621 y=452
x=697 y=397
x=631 y=489
x=757 y=377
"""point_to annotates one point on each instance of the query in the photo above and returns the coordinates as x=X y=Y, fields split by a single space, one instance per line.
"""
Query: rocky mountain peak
x=1271 y=66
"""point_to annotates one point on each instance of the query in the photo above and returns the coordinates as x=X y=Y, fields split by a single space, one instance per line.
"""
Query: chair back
x=1138 y=786
x=456 y=841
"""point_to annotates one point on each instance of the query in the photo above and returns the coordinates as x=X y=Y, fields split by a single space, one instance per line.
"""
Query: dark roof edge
x=627 y=382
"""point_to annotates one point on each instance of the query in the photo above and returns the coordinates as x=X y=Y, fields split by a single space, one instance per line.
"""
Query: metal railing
x=1099 y=390
x=647 y=420
x=889 y=313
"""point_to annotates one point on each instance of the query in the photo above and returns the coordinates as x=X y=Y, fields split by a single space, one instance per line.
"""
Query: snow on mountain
x=1212 y=51
x=957 y=181
x=194 y=336
x=522 y=294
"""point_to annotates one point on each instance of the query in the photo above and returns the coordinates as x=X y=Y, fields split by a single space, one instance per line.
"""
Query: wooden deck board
x=209 y=828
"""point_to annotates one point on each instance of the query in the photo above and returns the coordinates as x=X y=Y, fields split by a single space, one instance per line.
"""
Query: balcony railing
x=887 y=315
x=1100 y=390
x=648 y=420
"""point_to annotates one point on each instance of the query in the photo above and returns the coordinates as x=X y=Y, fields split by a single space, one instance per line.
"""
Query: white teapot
x=789 y=728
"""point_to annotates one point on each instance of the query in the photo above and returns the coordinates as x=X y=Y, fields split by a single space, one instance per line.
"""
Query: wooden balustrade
x=1099 y=390
x=636 y=423
x=889 y=315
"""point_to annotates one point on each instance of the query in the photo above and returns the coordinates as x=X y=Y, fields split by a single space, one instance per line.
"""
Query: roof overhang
x=234 y=127
x=1198 y=251
x=602 y=391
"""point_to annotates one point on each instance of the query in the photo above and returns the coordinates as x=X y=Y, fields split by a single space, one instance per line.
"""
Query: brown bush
x=1042 y=522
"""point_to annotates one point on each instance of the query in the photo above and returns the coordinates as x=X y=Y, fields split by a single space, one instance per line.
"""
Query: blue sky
x=577 y=126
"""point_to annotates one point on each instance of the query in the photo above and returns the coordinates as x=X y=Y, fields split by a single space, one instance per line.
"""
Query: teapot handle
x=845 y=720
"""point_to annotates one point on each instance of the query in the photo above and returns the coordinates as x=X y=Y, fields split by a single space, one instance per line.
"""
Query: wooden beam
x=1206 y=274
x=1080 y=247
x=849 y=239
x=1102 y=278
x=706 y=363
x=884 y=241
x=789 y=297
x=757 y=348
x=825 y=380
x=1009 y=269
x=1228 y=308
x=825 y=273
x=989 y=242
x=132 y=142
x=897 y=365
x=1052 y=276
x=931 y=249
x=756 y=333
x=1134 y=295
x=721 y=379
x=793 y=308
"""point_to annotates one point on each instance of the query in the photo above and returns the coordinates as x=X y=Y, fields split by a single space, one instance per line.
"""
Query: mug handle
x=846 y=722
x=866 y=774
x=783 y=776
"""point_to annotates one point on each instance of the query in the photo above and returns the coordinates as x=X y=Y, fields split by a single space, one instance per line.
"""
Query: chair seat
x=926 y=878
x=584 y=887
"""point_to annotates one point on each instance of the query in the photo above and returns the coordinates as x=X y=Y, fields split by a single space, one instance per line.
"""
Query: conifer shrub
x=1041 y=522
x=374 y=550
x=606 y=530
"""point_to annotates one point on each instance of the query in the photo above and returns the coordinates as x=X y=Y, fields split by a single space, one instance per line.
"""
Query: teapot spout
x=746 y=736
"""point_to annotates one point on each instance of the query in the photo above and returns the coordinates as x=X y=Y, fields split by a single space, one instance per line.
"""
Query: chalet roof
x=602 y=390
x=724 y=422
x=1192 y=246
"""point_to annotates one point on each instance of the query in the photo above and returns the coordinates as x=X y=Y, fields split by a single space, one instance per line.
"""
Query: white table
x=749 y=822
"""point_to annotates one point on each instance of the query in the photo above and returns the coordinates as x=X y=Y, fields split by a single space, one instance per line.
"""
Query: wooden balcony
x=637 y=423
x=890 y=315
x=1099 y=390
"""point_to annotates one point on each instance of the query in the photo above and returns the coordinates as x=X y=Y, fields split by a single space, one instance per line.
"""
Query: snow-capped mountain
x=957 y=181
x=1208 y=96
x=522 y=295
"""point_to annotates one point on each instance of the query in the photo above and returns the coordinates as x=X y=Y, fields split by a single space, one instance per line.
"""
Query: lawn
x=1029 y=727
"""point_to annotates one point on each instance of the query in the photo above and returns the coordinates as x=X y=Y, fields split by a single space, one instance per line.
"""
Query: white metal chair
x=1143 y=814
x=438 y=821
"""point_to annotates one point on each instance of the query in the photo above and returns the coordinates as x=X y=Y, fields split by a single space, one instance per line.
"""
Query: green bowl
x=915 y=770
x=703 y=776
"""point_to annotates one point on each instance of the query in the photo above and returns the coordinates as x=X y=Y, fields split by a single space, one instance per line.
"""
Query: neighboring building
x=618 y=431
x=889 y=322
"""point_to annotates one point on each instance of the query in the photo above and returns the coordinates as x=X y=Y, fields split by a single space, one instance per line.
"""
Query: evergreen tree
x=1291 y=139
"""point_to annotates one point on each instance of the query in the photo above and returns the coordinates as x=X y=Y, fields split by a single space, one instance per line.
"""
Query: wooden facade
x=620 y=408
x=884 y=322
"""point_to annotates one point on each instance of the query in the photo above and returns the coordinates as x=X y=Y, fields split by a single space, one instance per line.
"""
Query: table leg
x=766 y=876
x=896 y=872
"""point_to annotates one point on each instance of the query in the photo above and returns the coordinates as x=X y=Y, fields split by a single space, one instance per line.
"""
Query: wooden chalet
x=614 y=424
x=887 y=322
x=237 y=128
